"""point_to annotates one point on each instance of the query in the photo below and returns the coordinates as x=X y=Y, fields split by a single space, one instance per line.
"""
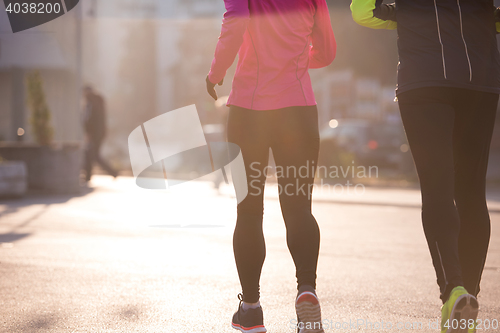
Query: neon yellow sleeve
x=362 y=13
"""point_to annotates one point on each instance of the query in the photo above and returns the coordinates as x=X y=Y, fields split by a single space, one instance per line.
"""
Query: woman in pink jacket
x=272 y=105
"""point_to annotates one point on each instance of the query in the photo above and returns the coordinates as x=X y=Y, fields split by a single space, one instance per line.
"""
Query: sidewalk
x=124 y=259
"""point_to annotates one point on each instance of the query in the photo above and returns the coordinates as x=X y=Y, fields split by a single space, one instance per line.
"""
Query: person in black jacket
x=94 y=124
x=448 y=86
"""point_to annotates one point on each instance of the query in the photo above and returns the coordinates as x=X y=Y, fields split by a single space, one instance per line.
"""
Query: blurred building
x=335 y=94
x=367 y=99
x=53 y=49
x=341 y=94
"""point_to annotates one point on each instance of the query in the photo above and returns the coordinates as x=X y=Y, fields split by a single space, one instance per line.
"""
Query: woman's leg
x=247 y=129
x=474 y=125
x=295 y=149
x=428 y=116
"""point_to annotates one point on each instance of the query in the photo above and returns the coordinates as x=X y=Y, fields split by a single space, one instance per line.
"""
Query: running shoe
x=308 y=313
x=249 y=321
x=459 y=312
x=473 y=328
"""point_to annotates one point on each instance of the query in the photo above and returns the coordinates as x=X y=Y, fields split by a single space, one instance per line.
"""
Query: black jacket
x=446 y=43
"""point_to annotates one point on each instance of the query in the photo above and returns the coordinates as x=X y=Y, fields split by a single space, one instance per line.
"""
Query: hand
x=211 y=88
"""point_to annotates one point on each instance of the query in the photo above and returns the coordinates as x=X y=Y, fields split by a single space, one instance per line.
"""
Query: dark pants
x=449 y=131
x=292 y=134
x=92 y=155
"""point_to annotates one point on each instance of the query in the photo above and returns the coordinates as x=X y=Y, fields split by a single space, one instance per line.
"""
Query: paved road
x=116 y=260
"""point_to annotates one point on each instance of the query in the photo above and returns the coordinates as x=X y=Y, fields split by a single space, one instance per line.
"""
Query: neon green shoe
x=472 y=329
x=459 y=313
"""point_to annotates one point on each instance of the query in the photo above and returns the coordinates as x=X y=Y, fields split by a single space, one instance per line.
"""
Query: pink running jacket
x=277 y=42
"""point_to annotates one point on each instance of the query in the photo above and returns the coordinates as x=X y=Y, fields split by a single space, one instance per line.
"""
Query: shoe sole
x=259 y=329
x=308 y=311
x=465 y=307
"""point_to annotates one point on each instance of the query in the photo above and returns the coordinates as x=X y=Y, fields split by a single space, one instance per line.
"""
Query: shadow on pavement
x=37 y=197
x=37 y=323
x=12 y=237
x=32 y=198
x=129 y=313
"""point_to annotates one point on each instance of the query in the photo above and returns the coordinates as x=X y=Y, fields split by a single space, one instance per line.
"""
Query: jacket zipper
x=440 y=40
x=463 y=39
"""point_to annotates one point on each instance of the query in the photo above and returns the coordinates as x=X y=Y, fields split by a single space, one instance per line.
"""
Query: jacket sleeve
x=374 y=14
x=497 y=19
x=324 y=46
x=234 y=25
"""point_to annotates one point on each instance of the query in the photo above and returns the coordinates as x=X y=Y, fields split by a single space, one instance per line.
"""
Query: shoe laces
x=240 y=297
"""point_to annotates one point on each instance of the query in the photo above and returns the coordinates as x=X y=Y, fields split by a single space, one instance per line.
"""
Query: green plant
x=40 y=113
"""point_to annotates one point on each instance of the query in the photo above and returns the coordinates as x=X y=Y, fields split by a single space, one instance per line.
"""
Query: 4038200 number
x=33 y=8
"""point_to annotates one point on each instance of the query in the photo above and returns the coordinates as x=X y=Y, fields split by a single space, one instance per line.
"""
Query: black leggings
x=292 y=134
x=449 y=131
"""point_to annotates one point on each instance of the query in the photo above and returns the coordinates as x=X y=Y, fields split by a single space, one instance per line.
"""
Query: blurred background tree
x=40 y=113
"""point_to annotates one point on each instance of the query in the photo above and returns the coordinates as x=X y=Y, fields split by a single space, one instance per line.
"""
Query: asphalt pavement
x=118 y=258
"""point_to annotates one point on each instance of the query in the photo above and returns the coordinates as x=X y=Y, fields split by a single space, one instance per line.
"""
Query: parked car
x=365 y=142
